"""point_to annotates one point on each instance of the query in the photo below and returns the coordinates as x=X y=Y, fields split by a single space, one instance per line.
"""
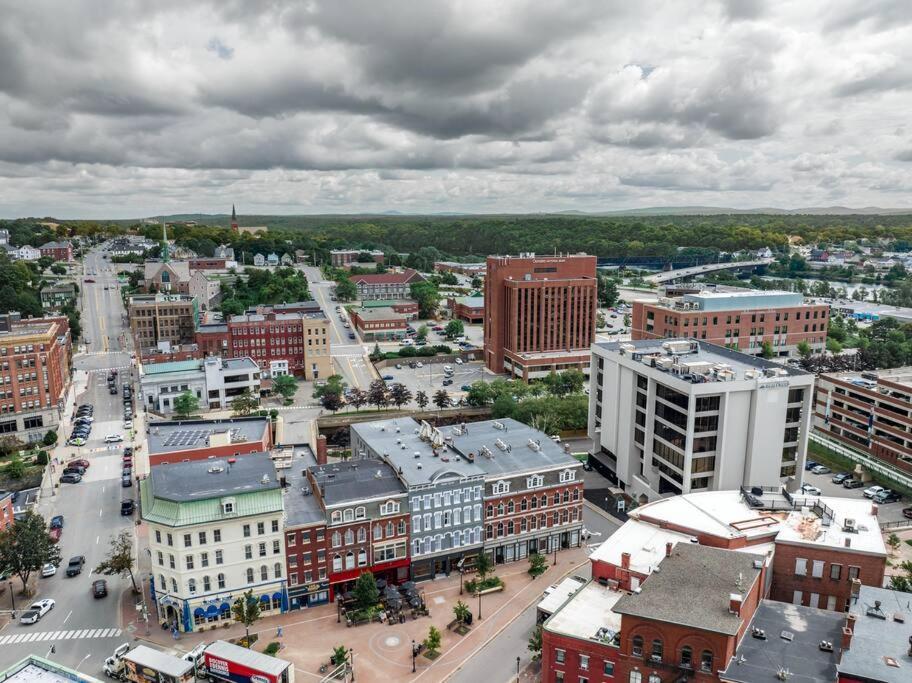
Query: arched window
x=349 y=537
x=362 y=535
x=221 y=580
x=686 y=657
x=490 y=511
x=706 y=661
x=390 y=530
x=336 y=539
x=249 y=575
x=360 y=512
x=207 y=584
x=277 y=569
x=575 y=494
x=656 y=653
x=336 y=517
x=489 y=531
x=655 y=678
x=523 y=505
x=500 y=508
x=348 y=515
x=636 y=648
x=337 y=563
x=636 y=677
x=510 y=508
x=264 y=573
x=362 y=557
x=533 y=503
x=500 y=529
x=378 y=532
x=349 y=560
x=544 y=501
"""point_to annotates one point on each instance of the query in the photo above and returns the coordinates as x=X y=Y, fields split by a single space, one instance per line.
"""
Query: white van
x=448 y=368
x=407 y=342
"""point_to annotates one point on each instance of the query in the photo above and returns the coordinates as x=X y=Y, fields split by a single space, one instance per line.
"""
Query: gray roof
x=244 y=363
x=380 y=313
x=345 y=482
x=55 y=245
x=180 y=268
x=758 y=660
x=692 y=588
x=475 y=449
x=301 y=506
x=879 y=635
x=213 y=478
x=181 y=435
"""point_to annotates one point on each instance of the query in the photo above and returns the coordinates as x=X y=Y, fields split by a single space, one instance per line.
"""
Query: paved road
x=669 y=275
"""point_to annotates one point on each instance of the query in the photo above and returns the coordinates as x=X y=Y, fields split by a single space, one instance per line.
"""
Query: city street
x=429 y=378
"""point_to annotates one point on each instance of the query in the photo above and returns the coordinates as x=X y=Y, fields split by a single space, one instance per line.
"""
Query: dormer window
x=500 y=487
x=390 y=507
x=568 y=475
x=228 y=506
x=535 y=481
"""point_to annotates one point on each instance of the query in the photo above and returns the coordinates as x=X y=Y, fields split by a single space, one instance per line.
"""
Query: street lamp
x=517 y=669
x=479 y=605
x=555 y=553
x=351 y=656
x=414 y=654
x=12 y=597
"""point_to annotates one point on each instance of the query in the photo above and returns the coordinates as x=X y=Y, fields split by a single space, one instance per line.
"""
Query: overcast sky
x=124 y=108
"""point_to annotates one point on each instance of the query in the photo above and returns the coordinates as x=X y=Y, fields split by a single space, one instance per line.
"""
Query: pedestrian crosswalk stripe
x=35 y=637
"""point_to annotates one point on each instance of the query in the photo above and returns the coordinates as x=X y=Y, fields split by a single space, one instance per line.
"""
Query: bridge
x=681 y=273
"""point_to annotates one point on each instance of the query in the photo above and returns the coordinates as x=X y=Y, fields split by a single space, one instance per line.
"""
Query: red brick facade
x=567 y=660
x=6 y=512
x=778 y=326
x=527 y=514
x=306 y=558
x=470 y=314
x=61 y=251
x=208 y=264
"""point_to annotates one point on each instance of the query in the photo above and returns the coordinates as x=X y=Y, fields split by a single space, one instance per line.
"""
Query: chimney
x=321 y=450
x=848 y=542
x=625 y=560
x=734 y=603
x=847 y=632
x=668 y=546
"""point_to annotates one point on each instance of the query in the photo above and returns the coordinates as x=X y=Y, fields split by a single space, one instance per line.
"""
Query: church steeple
x=234 y=222
x=165 y=255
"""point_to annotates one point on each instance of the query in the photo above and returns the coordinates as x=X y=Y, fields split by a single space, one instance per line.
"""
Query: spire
x=234 y=223
x=165 y=256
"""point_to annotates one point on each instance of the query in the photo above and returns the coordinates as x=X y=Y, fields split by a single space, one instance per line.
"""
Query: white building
x=29 y=253
x=675 y=416
x=214 y=382
x=259 y=260
x=215 y=532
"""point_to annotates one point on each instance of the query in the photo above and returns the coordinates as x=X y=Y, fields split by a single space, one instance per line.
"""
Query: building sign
x=236 y=673
x=774 y=384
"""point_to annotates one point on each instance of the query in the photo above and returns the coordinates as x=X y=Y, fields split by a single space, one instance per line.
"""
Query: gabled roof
x=405 y=277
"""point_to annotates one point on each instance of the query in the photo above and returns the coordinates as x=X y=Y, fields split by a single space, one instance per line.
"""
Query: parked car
x=447 y=382
x=74 y=470
x=99 y=588
x=809 y=490
x=907 y=512
x=29 y=617
x=48 y=570
x=76 y=441
x=127 y=471
x=55 y=534
x=886 y=496
x=458 y=361
x=56 y=522
x=42 y=606
x=853 y=483
x=388 y=378
x=351 y=335
x=413 y=365
x=82 y=462
x=74 y=566
x=128 y=450
x=872 y=491
x=112 y=390
x=87 y=419
x=128 y=424
x=821 y=469
x=398 y=366
x=127 y=506
x=70 y=478
x=810 y=464
x=841 y=477
x=113 y=438
x=126 y=482
x=466 y=387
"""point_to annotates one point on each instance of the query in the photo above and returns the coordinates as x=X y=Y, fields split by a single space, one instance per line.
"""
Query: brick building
x=391 y=285
x=345 y=258
x=743 y=319
x=406 y=307
x=59 y=251
x=211 y=263
x=158 y=318
x=870 y=412
x=35 y=357
x=379 y=324
x=167 y=276
x=178 y=441
x=469 y=309
x=289 y=338
x=6 y=510
x=467 y=269
x=539 y=313
x=307 y=566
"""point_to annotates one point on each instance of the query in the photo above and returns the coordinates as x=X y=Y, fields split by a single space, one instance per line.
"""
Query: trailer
x=234 y=664
x=144 y=665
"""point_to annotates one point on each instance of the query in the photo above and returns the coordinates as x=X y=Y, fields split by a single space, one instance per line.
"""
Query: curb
x=596 y=509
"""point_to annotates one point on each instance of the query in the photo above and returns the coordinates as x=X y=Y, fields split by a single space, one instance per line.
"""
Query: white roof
x=590 y=610
x=557 y=594
x=160 y=661
x=249 y=658
x=644 y=542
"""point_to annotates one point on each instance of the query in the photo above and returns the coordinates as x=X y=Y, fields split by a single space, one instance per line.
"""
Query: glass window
x=706 y=661
x=637 y=646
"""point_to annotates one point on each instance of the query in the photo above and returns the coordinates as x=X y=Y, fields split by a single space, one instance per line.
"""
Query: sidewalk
x=382 y=652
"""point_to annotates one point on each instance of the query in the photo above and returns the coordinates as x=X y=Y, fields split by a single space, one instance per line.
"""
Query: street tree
x=432 y=642
x=442 y=399
x=399 y=395
x=377 y=394
x=804 y=349
x=244 y=404
x=246 y=611
x=607 y=292
x=422 y=399
x=422 y=332
x=357 y=397
x=538 y=565
x=427 y=297
x=120 y=560
x=332 y=402
x=50 y=438
x=454 y=328
x=535 y=643
x=480 y=394
x=376 y=354
x=186 y=404
x=286 y=386
x=366 y=592
x=766 y=350
x=346 y=289
x=334 y=384
x=26 y=546
x=483 y=565
x=894 y=542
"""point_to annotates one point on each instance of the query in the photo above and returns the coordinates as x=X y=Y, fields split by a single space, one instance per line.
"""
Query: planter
x=493 y=589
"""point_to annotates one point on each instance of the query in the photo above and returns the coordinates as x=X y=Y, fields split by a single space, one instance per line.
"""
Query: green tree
x=377 y=394
x=334 y=384
x=461 y=611
x=120 y=560
x=804 y=349
x=607 y=292
x=244 y=404
x=427 y=297
x=421 y=399
x=186 y=404
x=894 y=542
x=454 y=328
x=366 y=592
x=15 y=469
x=477 y=282
x=442 y=399
x=339 y=655
x=480 y=394
x=332 y=402
x=432 y=642
x=58 y=269
x=26 y=546
x=535 y=643
x=833 y=346
x=538 y=565
x=357 y=397
x=246 y=611
x=767 y=350
x=483 y=565
x=286 y=386
x=346 y=289
x=50 y=438
x=902 y=582
x=399 y=395
x=376 y=354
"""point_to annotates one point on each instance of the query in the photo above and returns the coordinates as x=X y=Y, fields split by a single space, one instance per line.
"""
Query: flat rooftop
x=557 y=594
x=758 y=660
x=184 y=482
x=589 y=615
x=491 y=448
x=470 y=301
x=172 y=367
x=301 y=505
x=380 y=313
x=344 y=482
x=880 y=645
x=244 y=363
x=182 y=435
x=36 y=669
x=852 y=527
x=646 y=544
x=864 y=380
x=693 y=588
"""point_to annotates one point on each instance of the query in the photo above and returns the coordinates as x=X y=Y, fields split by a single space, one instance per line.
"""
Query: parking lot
x=429 y=378
x=889 y=512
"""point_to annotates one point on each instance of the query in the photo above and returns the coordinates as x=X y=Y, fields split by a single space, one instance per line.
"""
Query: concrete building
x=681 y=415
x=35 y=357
x=745 y=320
x=157 y=319
x=391 y=285
x=215 y=532
x=59 y=251
x=870 y=412
x=281 y=338
x=55 y=296
x=540 y=313
x=176 y=442
x=215 y=382
x=470 y=309
x=206 y=287
x=407 y=308
x=379 y=323
x=167 y=276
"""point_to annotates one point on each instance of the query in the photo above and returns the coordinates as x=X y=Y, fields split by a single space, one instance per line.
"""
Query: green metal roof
x=387 y=303
x=172 y=366
x=170 y=513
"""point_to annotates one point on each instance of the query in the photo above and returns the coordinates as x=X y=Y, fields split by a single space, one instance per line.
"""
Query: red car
x=55 y=535
x=82 y=462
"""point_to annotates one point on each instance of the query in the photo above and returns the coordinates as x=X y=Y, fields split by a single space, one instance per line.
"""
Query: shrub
x=272 y=648
x=42 y=458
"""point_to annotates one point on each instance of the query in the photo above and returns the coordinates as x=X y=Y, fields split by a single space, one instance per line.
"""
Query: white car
x=458 y=361
x=42 y=606
x=113 y=438
x=84 y=418
x=48 y=570
x=128 y=424
x=419 y=365
x=810 y=490
x=872 y=491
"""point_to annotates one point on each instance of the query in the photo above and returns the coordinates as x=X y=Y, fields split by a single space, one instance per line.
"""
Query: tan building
x=158 y=318
x=167 y=276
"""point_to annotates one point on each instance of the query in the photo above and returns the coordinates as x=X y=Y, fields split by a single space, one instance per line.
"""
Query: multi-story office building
x=162 y=318
x=744 y=320
x=215 y=532
x=294 y=337
x=213 y=381
x=676 y=416
x=539 y=313
x=868 y=411
x=34 y=373
x=390 y=285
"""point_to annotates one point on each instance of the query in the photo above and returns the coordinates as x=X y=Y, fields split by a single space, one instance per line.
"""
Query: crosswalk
x=33 y=637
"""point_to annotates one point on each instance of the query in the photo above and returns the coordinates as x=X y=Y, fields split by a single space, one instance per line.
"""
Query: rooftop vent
x=378 y=474
x=826 y=646
x=848 y=525
x=418 y=466
x=265 y=479
x=534 y=444
x=417 y=454
x=498 y=425
x=758 y=633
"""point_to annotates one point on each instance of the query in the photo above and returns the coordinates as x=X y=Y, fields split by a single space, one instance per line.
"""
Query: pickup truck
x=74 y=566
